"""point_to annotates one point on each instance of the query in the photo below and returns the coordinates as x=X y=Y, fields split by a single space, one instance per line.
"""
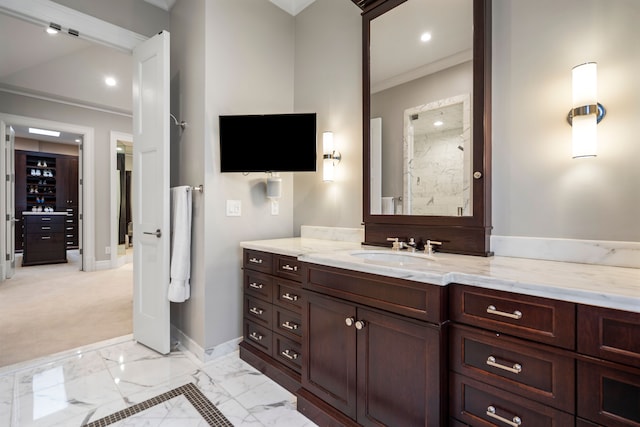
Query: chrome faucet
x=397 y=243
x=428 y=248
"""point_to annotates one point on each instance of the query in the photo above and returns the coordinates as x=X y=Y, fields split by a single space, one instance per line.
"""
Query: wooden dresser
x=44 y=238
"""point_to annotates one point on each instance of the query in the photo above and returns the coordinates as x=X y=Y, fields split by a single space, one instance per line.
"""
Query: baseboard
x=204 y=355
x=103 y=265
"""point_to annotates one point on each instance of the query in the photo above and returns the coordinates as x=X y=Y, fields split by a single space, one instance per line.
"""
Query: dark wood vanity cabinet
x=610 y=372
x=368 y=366
x=272 y=316
x=524 y=360
x=511 y=359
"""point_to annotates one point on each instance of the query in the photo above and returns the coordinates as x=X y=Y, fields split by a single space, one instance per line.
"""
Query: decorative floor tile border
x=199 y=401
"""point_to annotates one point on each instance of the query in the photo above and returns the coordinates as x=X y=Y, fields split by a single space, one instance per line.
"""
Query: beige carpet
x=52 y=308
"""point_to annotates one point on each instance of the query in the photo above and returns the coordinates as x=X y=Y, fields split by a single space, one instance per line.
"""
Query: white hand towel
x=179 y=288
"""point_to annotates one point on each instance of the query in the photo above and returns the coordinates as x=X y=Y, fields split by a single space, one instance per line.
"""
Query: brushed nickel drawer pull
x=289 y=268
x=514 y=422
x=255 y=285
x=291 y=355
x=45 y=219
x=45 y=228
x=360 y=324
x=46 y=237
x=257 y=311
x=349 y=321
x=255 y=260
x=289 y=325
x=290 y=297
x=517 y=314
x=255 y=336
x=516 y=368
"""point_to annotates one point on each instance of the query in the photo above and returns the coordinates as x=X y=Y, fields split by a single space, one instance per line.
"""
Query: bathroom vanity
x=459 y=340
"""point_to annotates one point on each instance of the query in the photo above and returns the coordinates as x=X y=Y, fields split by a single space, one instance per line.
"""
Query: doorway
x=121 y=150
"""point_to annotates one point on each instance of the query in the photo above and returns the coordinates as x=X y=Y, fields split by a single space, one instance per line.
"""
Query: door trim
x=87 y=231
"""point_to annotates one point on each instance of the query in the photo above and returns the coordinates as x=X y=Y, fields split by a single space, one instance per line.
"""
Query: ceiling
x=72 y=70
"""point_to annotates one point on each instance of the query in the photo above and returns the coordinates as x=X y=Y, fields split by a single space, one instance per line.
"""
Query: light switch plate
x=275 y=207
x=234 y=208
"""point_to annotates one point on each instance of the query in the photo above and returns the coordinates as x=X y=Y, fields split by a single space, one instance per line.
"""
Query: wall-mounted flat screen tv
x=268 y=143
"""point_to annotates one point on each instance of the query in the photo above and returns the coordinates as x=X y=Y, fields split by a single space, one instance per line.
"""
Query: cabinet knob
x=349 y=321
x=360 y=324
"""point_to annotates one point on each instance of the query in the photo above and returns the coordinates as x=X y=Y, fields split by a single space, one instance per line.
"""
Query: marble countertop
x=605 y=286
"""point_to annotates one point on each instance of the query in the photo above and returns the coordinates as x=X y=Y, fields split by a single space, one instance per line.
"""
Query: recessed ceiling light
x=425 y=37
x=110 y=81
x=438 y=123
x=44 y=132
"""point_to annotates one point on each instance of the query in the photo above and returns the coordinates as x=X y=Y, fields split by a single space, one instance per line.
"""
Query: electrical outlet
x=275 y=207
x=234 y=208
x=107 y=250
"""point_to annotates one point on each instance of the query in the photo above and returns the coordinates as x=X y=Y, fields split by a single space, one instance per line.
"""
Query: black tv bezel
x=224 y=168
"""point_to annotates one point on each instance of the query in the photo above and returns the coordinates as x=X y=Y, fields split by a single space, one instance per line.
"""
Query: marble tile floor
x=79 y=387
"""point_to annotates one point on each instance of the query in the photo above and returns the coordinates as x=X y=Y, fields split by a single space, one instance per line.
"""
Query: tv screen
x=268 y=143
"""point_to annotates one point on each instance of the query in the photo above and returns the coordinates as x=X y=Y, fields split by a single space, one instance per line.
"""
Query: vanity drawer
x=258 y=285
x=40 y=226
x=609 y=334
x=609 y=394
x=289 y=267
x=533 y=371
x=287 y=323
x=258 y=311
x=258 y=336
x=418 y=300
x=482 y=405
x=258 y=261
x=540 y=319
x=288 y=294
x=288 y=352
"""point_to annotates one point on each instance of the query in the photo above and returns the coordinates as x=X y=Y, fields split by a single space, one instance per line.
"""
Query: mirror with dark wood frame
x=469 y=231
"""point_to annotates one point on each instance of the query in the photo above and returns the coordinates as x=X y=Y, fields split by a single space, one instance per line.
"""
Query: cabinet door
x=399 y=373
x=329 y=346
x=609 y=394
x=66 y=182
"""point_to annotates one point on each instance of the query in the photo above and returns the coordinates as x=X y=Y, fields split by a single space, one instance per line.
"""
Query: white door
x=151 y=321
x=10 y=210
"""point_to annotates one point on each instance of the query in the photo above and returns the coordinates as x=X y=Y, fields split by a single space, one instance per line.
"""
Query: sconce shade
x=584 y=115
x=330 y=157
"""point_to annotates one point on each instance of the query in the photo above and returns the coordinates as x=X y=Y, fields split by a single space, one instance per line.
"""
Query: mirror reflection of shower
x=437 y=164
x=124 y=158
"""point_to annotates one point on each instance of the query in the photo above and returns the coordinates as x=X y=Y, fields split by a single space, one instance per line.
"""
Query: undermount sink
x=400 y=258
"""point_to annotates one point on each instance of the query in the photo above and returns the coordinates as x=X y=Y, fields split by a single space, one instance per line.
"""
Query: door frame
x=113 y=144
x=87 y=171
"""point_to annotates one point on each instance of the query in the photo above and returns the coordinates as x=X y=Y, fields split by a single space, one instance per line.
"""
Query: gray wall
x=187 y=159
x=236 y=57
x=538 y=189
x=328 y=80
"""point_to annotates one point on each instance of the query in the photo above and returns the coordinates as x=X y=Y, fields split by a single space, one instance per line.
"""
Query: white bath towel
x=179 y=288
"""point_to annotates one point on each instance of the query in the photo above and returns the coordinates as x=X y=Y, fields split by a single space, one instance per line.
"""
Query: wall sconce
x=330 y=158
x=586 y=112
